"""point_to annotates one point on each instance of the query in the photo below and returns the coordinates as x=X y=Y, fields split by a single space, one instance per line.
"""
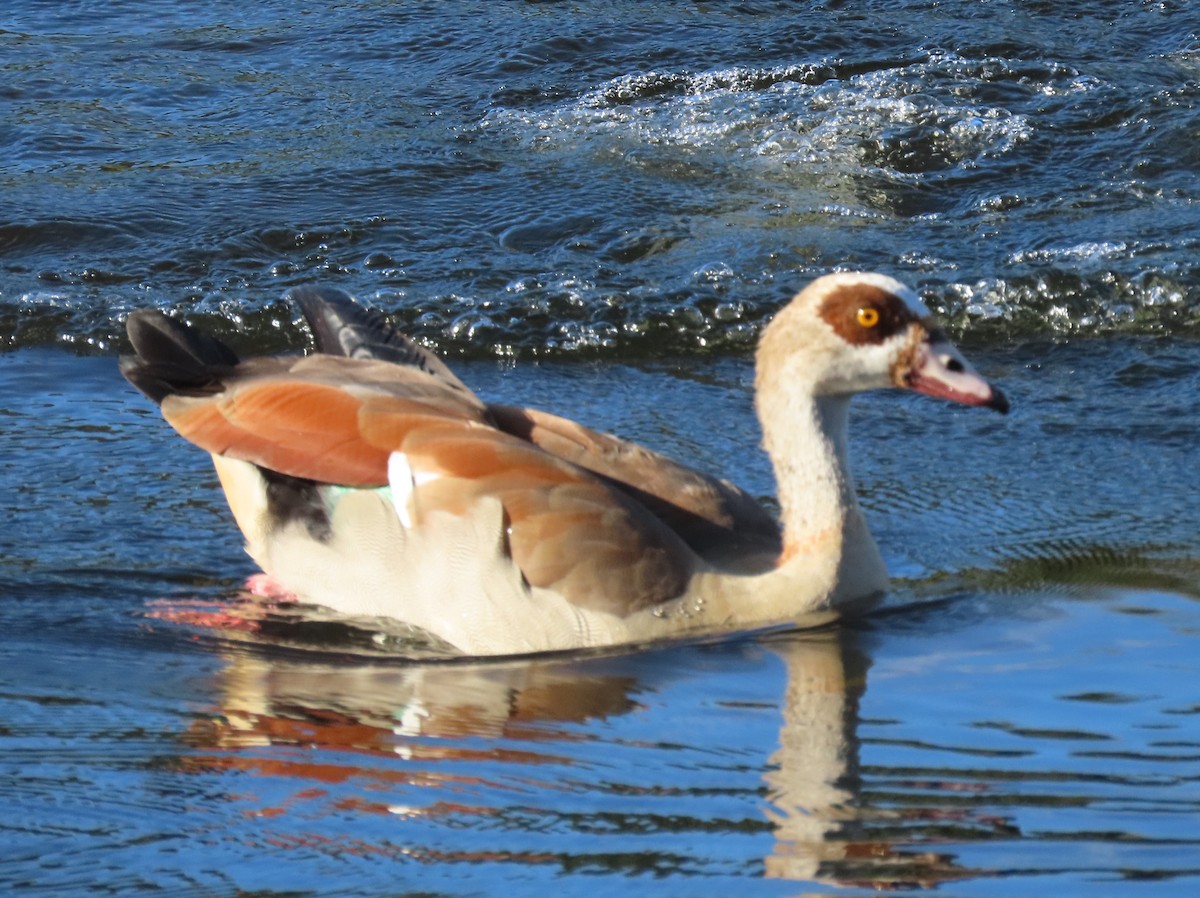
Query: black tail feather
x=172 y=357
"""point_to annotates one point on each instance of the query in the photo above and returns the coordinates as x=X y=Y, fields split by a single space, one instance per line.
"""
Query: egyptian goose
x=369 y=479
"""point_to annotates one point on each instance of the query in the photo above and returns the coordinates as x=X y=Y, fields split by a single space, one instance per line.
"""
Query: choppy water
x=556 y=176
x=625 y=192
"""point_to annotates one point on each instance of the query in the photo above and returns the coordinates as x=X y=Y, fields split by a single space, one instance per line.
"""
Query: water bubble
x=985 y=310
x=729 y=311
x=380 y=260
x=713 y=273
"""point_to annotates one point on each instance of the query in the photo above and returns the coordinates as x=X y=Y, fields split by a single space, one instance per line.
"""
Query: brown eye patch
x=862 y=314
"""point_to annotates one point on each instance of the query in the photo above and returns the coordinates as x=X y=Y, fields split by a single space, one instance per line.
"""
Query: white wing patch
x=400 y=479
x=404 y=481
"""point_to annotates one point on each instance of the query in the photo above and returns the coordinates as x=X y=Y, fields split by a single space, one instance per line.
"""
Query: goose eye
x=867 y=316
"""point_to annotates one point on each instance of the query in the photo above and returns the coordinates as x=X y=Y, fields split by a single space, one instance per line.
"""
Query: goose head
x=850 y=332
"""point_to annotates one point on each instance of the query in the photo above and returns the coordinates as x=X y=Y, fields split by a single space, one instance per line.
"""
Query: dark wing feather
x=341 y=326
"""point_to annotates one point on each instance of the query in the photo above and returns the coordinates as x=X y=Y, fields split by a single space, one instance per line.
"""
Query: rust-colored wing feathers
x=322 y=418
x=299 y=429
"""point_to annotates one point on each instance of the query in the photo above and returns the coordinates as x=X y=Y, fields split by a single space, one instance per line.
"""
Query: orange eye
x=867 y=316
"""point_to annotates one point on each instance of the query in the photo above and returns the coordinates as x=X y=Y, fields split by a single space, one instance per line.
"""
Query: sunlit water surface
x=594 y=208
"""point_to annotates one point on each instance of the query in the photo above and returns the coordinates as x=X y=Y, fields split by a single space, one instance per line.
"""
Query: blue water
x=594 y=208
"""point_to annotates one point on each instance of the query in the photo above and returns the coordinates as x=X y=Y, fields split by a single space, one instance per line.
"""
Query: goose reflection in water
x=566 y=762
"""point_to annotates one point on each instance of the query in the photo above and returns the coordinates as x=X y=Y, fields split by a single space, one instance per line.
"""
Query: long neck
x=825 y=536
x=806 y=440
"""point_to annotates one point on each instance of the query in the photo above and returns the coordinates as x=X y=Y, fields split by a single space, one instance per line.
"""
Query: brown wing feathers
x=568 y=531
x=709 y=514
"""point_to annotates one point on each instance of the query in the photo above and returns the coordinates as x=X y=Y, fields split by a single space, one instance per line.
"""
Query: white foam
x=1090 y=251
x=779 y=117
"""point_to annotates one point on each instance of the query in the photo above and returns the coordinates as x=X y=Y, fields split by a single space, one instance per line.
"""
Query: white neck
x=806 y=441
x=824 y=534
x=805 y=437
